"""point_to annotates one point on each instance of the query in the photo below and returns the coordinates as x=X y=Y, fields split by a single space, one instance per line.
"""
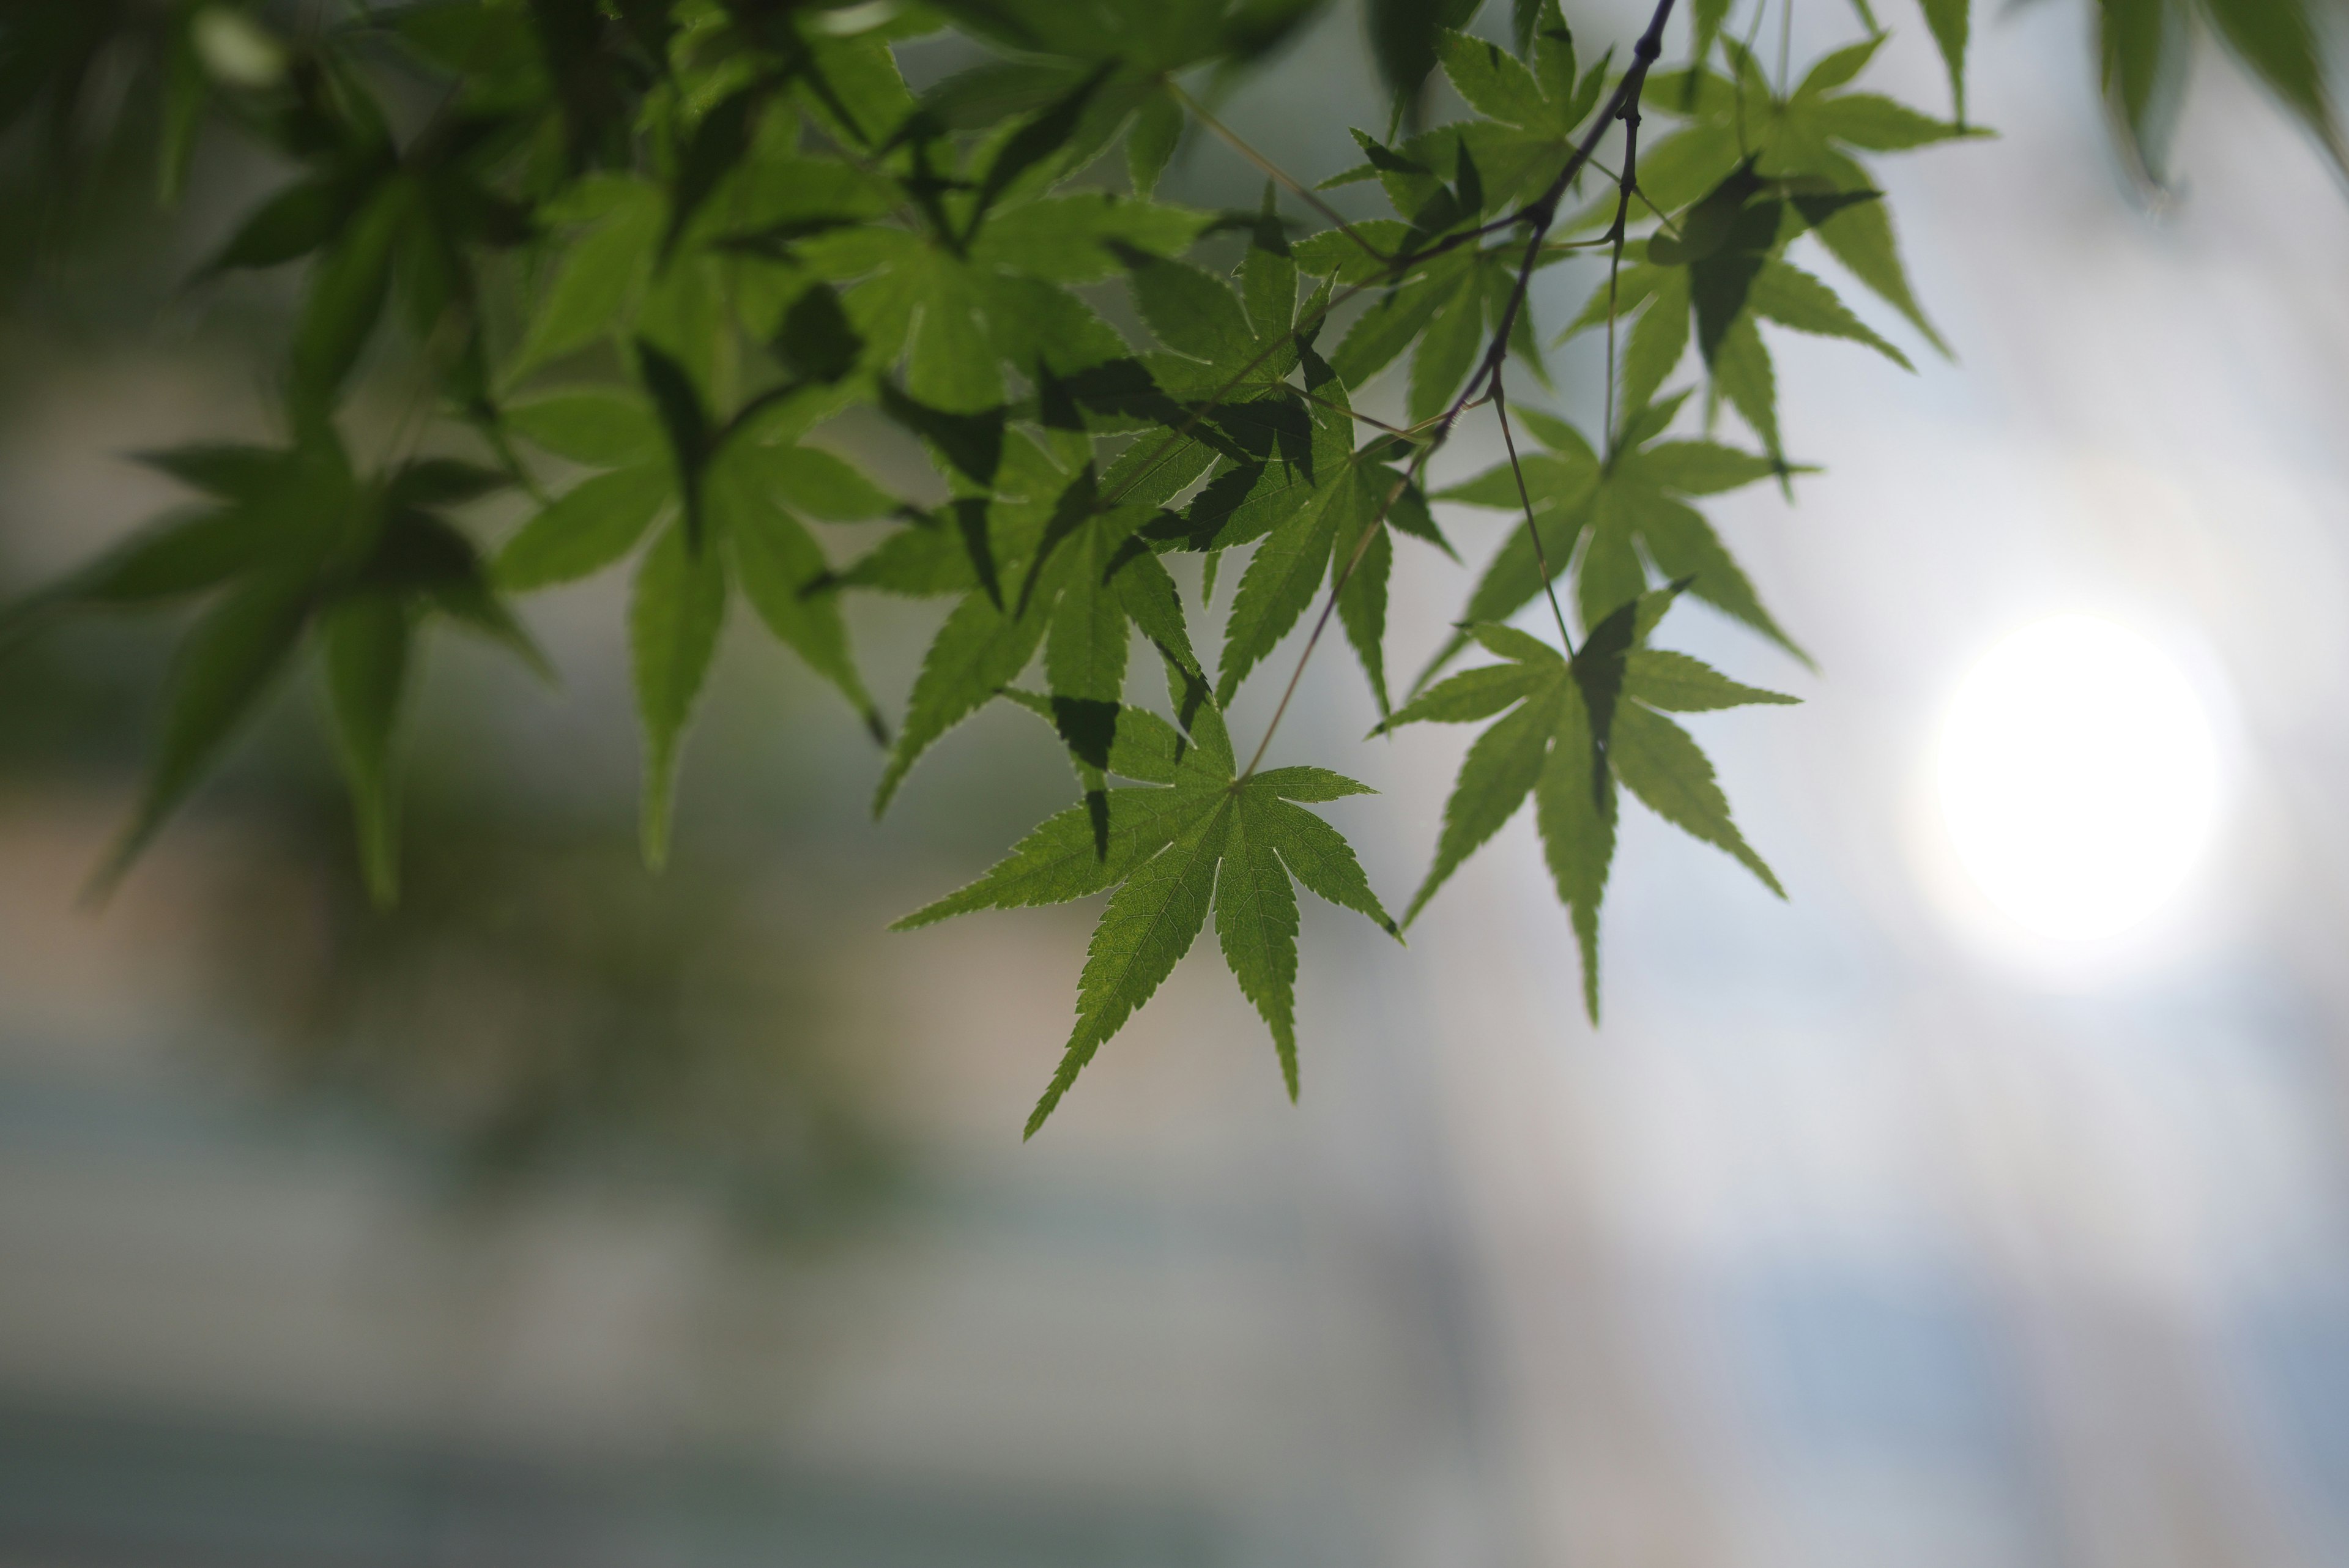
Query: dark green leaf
x=1255 y=922
x=978 y=651
x=673 y=625
x=816 y=343
x=783 y=573
x=367 y=647
x=222 y=667
x=347 y=297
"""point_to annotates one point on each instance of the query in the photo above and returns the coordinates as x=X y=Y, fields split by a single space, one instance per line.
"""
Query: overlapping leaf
x=1810 y=142
x=1203 y=840
x=1568 y=732
x=1621 y=519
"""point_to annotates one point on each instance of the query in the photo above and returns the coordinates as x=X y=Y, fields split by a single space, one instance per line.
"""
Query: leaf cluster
x=732 y=235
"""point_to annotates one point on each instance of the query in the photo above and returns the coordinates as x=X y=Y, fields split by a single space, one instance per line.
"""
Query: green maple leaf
x=1623 y=514
x=1813 y=133
x=1568 y=732
x=1723 y=269
x=740 y=501
x=1532 y=107
x=291 y=547
x=1205 y=839
x=1044 y=561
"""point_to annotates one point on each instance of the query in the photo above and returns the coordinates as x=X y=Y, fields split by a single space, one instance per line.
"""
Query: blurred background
x=577 y=1216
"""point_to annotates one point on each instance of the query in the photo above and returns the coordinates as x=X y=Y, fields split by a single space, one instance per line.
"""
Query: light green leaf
x=1790 y=296
x=1860 y=236
x=1878 y=124
x=2144 y=46
x=1316 y=855
x=1448 y=348
x=1743 y=374
x=1657 y=763
x=2280 y=41
x=1085 y=650
x=1150 y=145
x=1699 y=467
x=593 y=293
x=1684 y=545
x=1308 y=784
x=1362 y=601
x=1149 y=925
x=1467 y=697
x=1610 y=574
x=1948 y=20
x=1389 y=326
x=592 y=425
x=814 y=481
x=1679 y=684
x=585 y=529
x=1280 y=580
x=1574 y=808
x=1500 y=769
x=1110 y=737
x=1658 y=341
x=1494 y=82
x=1070 y=238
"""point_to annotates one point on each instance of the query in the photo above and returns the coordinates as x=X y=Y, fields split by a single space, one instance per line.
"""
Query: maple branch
x=1625 y=184
x=1623 y=105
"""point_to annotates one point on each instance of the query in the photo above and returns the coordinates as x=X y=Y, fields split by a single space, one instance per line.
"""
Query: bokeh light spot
x=2077 y=776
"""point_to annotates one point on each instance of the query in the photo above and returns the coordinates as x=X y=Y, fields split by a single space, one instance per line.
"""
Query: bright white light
x=2078 y=778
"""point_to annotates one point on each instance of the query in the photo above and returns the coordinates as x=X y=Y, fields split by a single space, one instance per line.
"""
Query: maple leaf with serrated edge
x=1569 y=731
x=1333 y=513
x=1722 y=267
x=1611 y=518
x=1814 y=133
x=1045 y=563
x=1205 y=839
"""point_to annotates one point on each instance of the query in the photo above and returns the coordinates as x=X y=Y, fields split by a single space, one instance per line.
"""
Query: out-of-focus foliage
x=536 y=1006
x=626 y=259
x=2146 y=47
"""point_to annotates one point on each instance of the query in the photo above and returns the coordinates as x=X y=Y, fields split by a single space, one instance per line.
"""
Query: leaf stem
x=1623 y=105
x=1330 y=605
x=1524 y=498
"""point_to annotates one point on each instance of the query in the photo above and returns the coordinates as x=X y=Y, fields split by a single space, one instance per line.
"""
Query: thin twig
x=1302 y=192
x=1624 y=105
x=1544 y=211
x=1785 y=41
x=1337 y=586
x=1533 y=531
